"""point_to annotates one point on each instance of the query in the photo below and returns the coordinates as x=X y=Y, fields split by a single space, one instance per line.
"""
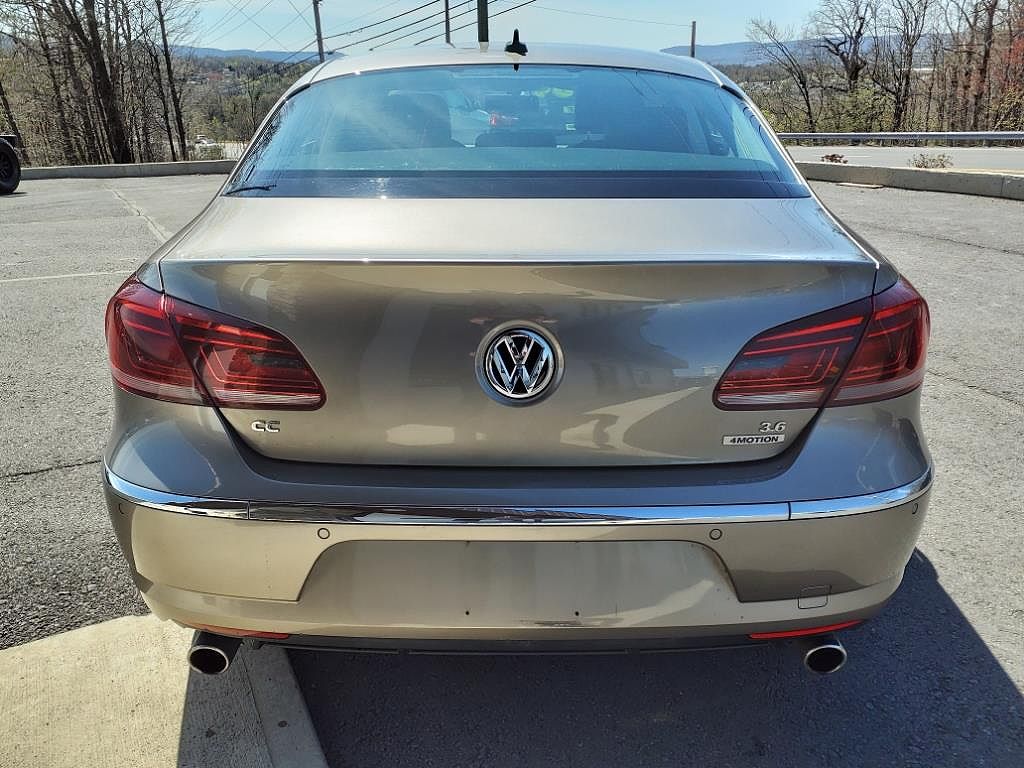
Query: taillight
x=868 y=350
x=794 y=365
x=890 y=358
x=167 y=349
x=145 y=357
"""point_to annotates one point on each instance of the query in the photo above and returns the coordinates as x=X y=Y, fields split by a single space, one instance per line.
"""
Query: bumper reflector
x=803 y=632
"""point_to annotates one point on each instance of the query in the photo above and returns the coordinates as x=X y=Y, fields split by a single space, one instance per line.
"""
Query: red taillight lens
x=794 y=365
x=242 y=365
x=158 y=344
x=891 y=356
x=868 y=350
x=145 y=357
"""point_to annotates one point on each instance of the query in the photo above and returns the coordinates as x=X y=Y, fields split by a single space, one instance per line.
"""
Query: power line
x=374 y=12
x=237 y=27
x=283 y=64
x=392 y=31
x=301 y=15
x=249 y=19
x=471 y=9
x=473 y=24
x=610 y=18
x=274 y=36
x=234 y=10
x=365 y=27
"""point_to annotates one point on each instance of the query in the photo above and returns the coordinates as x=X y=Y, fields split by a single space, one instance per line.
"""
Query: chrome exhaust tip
x=212 y=654
x=822 y=654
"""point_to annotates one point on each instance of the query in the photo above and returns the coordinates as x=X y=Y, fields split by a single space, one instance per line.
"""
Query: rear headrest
x=396 y=121
x=426 y=115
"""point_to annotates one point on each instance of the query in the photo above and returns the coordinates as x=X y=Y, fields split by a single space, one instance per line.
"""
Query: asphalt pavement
x=936 y=680
x=1006 y=159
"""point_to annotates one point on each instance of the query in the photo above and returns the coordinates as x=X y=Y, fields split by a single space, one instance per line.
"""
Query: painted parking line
x=61 y=277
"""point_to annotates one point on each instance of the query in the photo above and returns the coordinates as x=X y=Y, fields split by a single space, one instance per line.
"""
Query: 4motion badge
x=769 y=433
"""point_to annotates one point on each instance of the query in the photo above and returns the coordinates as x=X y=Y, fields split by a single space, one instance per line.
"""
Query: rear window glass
x=491 y=131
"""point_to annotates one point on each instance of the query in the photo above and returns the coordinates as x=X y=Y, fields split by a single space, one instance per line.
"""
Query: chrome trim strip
x=458 y=515
x=726 y=513
x=859 y=505
x=172 y=502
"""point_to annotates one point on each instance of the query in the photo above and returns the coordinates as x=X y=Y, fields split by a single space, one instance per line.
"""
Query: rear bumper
x=619 y=576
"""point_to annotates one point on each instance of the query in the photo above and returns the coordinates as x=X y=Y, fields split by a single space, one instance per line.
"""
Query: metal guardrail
x=910 y=137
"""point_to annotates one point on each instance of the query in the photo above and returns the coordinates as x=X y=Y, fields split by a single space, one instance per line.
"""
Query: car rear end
x=712 y=435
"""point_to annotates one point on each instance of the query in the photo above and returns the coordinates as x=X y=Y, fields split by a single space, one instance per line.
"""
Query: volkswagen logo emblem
x=519 y=365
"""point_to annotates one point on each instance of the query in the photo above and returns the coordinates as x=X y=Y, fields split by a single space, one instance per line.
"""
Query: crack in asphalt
x=54 y=468
x=976 y=387
x=925 y=236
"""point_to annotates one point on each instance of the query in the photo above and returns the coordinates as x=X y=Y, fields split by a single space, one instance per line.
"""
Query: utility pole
x=482 y=33
x=693 y=40
x=447 y=24
x=319 y=32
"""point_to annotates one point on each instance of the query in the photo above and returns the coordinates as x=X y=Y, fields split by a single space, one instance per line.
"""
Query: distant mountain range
x=247 y=53
x=725 y=54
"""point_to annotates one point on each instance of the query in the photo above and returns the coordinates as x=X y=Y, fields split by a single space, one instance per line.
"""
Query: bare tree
x=902 y=24
x=986 y=11
x=772 y=43
x=172 y=87
x=844 y=28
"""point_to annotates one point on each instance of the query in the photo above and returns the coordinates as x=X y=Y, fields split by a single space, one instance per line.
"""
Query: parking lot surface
x=936 y=680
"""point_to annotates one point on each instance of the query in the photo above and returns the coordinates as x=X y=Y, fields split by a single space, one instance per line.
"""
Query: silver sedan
x=554 y=351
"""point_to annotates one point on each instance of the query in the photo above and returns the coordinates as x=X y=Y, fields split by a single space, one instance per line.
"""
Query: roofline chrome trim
x=495 y=515
x=859 y=505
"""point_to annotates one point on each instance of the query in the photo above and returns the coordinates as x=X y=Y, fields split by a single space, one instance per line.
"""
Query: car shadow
x=921 y=689
x=220 y=727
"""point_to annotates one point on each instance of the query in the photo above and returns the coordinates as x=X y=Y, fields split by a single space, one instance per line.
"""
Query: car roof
x=539 y=53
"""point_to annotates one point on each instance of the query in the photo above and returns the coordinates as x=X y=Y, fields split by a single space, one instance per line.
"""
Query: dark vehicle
x=10 y=164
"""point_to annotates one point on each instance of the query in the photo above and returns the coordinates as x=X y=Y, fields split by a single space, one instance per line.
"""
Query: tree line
x=893 y=65
x=98 y=81
x=102 y=81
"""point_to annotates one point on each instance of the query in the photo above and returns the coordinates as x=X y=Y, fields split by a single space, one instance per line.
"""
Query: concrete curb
x=997 y=185
x=121 y=693
x=287 y=729
x=982 y=184
x=130 y=170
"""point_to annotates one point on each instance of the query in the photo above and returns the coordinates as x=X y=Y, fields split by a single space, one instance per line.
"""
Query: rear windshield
x=491 y=131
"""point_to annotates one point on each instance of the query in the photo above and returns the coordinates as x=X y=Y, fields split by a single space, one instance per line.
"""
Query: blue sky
x=287 y=24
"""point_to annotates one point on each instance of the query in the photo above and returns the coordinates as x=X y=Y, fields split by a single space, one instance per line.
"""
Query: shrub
x=924 y=160
x=209 y=152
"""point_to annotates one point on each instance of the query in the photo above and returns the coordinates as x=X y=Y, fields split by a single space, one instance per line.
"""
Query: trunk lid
x=391 y=302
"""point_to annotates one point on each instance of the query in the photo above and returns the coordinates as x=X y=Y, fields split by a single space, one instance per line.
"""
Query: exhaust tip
x=825 y=656
x=208 y=660
x=212 y=654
